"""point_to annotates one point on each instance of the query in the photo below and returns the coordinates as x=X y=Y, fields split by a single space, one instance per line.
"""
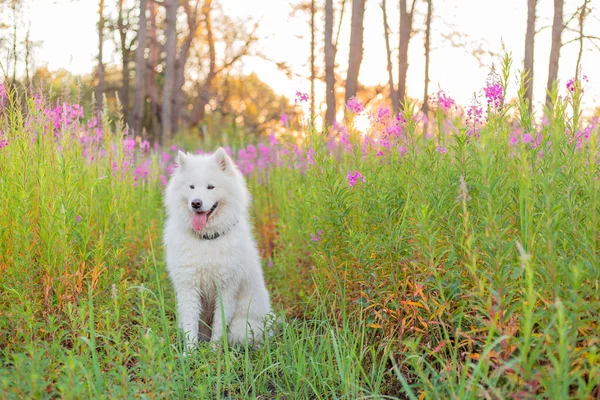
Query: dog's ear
x=223 y=160
x=181 y=159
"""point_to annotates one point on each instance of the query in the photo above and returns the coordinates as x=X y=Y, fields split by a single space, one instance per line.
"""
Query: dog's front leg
x=189 y=308
x=224 y=311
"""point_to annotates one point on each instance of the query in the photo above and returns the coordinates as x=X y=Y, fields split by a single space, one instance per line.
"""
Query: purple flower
x=174 y=149
x=441 y=149
x=353 y=176
x=284 y=119
x=129 y=145
x=354 y=105
x=443 y=101
x=269 y=263
x=163 y=180
x=301 y=97
x=493 y=91
x=145 y=145
x=316 y=237
x=383 y=114
x=310 y=156
x=77 y=218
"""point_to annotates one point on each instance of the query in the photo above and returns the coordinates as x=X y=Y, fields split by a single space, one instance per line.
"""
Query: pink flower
x=493 y=91
x=443 y=101
x=353 y=176
x=316 y=237
x=163 y=180
x=129 y=145
x=284 y=119
x=354 y=105
x=441 y=149
x=145 y=145
x=77 y=218
x=383 y=114
x=301 y=97
x=310 y=156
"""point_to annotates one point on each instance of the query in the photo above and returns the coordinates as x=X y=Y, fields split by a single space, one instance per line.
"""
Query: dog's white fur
x=225 y=271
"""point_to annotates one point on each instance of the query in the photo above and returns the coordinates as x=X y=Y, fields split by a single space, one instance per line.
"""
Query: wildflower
x=113 y=291
x=463 y=192
x=129 y=145
x=353 y=176
x=269 y=263
x=316 y=237
x=3 y=96
x=174 y=149
x=443 y=101
x=393 y=130
x=301 y=97
x=284 y=119
x=383 y=114
x=493 y=91
x=310 y=154
x=163 y=180
x=166 y=157
x=145 y=146
x=474 y=117
x=441 y=149
x=354 y=105
x=77 y=218
x=575 y=83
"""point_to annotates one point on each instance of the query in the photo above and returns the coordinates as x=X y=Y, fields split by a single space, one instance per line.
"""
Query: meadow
x=450 y=258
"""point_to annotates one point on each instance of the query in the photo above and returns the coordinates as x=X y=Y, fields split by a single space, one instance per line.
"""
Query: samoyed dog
x=211 y=255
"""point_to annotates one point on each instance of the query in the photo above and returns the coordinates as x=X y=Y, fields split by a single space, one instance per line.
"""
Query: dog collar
x=217 y=234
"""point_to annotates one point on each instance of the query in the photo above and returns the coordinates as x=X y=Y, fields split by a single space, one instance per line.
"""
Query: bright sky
x=73 y=44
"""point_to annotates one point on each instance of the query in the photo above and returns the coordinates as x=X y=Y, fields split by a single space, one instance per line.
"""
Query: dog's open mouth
x=199 y=219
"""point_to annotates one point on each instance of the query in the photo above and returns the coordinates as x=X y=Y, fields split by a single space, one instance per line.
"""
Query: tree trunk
x=28 y=46
x=388 y=52
x=312 y=59
x=529 y=51
x=582 y=15
x=179 y=95
x=557 y=28
x=169 y=81
x=205 y=91
x=100 y=70
x=151 y=84
x=356 y=48
x=125 y=55
x=329 y=65
x=139 y=98
x=406 y=18
x=427 y=56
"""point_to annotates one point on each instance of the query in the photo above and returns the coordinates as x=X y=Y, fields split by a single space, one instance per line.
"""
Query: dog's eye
x=191 y=186
x=210 y=187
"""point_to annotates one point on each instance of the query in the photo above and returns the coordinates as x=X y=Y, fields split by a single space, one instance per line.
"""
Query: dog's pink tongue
x=199 y=221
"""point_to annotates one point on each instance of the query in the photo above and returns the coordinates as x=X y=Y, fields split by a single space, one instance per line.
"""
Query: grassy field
x=457 y=258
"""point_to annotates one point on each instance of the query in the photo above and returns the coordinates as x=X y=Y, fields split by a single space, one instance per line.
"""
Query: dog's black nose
x=196 y=204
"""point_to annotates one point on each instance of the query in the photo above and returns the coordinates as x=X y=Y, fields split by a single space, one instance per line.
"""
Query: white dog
x=211 y=255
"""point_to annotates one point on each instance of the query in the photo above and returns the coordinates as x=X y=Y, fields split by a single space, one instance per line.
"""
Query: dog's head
x=207 y=192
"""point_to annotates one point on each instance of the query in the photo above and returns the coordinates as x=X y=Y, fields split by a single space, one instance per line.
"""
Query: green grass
x=469 y=274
